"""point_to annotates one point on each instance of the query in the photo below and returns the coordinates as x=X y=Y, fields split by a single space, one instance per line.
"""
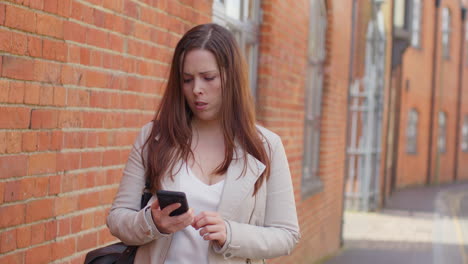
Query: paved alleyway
x=422 y=225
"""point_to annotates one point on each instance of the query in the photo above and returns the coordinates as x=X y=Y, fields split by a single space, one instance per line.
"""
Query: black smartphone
x=166 y=198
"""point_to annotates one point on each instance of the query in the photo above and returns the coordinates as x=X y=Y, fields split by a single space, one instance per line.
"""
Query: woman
x=204 y=141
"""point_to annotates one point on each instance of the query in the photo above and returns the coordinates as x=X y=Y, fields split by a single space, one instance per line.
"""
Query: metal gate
x=365 y=123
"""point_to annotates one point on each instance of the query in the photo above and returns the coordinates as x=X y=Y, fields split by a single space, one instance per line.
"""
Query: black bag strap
x=146 y=195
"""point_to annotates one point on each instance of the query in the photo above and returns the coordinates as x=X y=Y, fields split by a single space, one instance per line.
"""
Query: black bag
x=117 y=253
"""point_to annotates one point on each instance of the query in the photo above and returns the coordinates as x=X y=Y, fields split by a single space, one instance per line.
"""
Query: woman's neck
x=212 y=126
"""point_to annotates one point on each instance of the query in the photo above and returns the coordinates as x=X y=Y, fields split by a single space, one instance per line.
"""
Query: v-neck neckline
x=192 y=174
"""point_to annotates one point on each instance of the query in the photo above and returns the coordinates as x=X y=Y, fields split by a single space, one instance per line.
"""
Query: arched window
x=446 y=32
x=416 y=23
x=311 y=182
x=464 y=141
x=242 y=17
x=412 y=132
x=442 y=137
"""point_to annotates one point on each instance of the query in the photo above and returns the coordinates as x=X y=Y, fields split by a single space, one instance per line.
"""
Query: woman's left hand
x=212 y=227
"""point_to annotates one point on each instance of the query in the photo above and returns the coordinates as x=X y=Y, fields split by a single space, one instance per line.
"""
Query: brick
x=51 y=6
x=74 y=140
x=46 y=71
x=96 y=58
x=97 y=38
x=57 y=140
x=6 y=37
x=13 y=142
x=116 y=5
x=12 y=215
x=18 y=68
x=86 y=241
x=23 y=236
x=72 y=75
x=2 y=191
x=68 y=161
x=131 y=9
x=42 y=163
x=75 y=32
x=116 y=43
x=91 y=159
x=99 y=18
x=20 y=18
x=63 y=248
x=70 y=119
x=3 y=142
x=41 y=187
x=13 y=166
x=54 y=50
x=51 y=230
x=64 y=8
x=7 y=241
x=32 y=93
x=19 y=190
x=36 y=4
x=12 y=258
x=44 y=118
x=76 y=224
x=85 y=56
x=16 y=92
x=78 y=97
x=14 y=117
x=60 y=94
x=88 y=221
x=39 y=233
x=43 y=140
x=29 y=141
x=64 y=226
x=54 y=185
x=40 y=254
x=46 y=95
x=34 y=48
x=39 y=209
x=2 y=14
x=88 y=200
x=82 y=12
x=107 y=196
x=97 y=79
x=4 y=91
x=49 y=25
x=19 y=43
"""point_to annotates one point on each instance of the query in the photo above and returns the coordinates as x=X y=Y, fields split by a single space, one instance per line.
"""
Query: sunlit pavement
x=423 y=225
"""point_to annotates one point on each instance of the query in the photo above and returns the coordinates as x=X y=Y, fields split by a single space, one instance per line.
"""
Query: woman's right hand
x=170 y=224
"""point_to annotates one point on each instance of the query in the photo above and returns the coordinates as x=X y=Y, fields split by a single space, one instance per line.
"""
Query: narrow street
x=420 y=225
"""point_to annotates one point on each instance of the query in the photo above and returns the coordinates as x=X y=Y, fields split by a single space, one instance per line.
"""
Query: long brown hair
x=172 y=122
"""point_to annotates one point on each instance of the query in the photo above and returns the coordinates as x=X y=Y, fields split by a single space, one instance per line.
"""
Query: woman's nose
x=197 y=86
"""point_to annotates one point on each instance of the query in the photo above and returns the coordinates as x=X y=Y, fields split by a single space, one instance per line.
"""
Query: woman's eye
x=187 y=80
x=209 y=78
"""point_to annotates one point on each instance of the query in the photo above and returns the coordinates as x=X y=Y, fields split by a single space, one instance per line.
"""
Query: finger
x=218 y=236
x=183 y=218
x=208 y=220
x=204 y=214
x=211 y=229
x=170 y=208
x=155 y=205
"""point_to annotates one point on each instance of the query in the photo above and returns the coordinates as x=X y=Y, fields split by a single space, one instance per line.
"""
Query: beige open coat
x=258 y=227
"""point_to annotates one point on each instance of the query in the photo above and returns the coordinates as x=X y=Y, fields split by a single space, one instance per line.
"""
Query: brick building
x=430 y=118
x=80 y=77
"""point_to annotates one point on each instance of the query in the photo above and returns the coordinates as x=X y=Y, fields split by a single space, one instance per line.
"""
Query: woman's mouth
x=199 y=105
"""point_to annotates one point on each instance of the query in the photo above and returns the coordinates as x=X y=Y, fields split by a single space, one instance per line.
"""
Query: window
x=311 y=182
x=416 y=22
x=442 y=138
x=446 y=32
x=412 y=132
x=242 y=17
x=464 y=141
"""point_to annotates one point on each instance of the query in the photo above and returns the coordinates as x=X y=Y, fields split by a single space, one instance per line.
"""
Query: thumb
x=155 y=205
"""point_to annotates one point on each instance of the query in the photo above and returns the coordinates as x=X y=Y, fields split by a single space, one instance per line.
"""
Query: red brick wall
x=80 y=77
x=416 y=90
x=281 y=108
x=78 y=80
x=463 y=156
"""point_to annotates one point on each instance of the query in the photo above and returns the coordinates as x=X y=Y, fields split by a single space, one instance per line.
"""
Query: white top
x=187 y=245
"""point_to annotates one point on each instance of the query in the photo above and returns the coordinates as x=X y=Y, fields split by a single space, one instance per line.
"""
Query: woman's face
x=202 y=85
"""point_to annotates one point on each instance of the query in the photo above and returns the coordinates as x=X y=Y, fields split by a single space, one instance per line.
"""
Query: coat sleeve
x=280 y=232
x=125 y=220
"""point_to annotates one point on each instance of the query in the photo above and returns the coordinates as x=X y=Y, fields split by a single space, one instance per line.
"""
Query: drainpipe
x=350 y=79
x=433 y=90
x=460 y=91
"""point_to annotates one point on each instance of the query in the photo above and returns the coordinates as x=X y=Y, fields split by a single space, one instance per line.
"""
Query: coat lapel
x=237 y=186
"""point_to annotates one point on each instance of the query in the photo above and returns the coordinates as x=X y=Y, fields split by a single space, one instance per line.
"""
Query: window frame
x=446 y=32
x=464 y=135
x=442 y=133
x=246 y=31
x=310 y=179
x=416 y=19
x=412 y=131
